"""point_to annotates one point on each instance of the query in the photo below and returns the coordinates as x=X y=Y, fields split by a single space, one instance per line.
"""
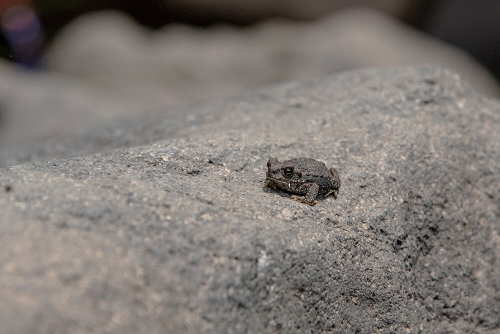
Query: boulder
x=179 y=236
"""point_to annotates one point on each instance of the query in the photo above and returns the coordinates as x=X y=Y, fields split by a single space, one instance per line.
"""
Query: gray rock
x=178 y=236
x=37 y=106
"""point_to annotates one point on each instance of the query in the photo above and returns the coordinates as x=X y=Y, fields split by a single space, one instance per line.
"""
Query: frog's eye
x=288 y=171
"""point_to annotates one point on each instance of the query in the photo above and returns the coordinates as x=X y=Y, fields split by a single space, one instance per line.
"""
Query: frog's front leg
x=270 y=184
x=311 y=190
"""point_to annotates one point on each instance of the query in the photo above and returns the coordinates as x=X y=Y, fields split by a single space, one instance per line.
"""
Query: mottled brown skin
x=302 y=176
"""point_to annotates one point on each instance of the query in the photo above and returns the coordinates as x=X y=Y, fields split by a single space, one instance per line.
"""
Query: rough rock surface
x=178 y=236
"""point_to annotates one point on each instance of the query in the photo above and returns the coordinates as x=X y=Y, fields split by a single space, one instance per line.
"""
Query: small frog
x=302 y=176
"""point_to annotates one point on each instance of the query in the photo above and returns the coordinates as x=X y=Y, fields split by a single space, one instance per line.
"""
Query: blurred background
x=68 y=65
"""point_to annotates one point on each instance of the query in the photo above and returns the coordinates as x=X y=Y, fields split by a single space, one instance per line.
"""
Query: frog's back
x=309 y=166
x=314 y=171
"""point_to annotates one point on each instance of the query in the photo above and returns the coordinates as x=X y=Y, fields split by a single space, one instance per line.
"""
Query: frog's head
x=281 y=173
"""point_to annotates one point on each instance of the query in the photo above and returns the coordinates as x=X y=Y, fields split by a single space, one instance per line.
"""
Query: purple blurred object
x=23 y=31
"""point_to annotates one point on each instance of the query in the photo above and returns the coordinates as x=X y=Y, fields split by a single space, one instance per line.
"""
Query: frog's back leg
x=311 y=191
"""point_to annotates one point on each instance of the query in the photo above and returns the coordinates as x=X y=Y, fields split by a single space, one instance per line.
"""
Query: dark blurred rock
x=178 y=236
x=473 y=26
x=158 y=13
x=244 y=12
x=155 y=14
